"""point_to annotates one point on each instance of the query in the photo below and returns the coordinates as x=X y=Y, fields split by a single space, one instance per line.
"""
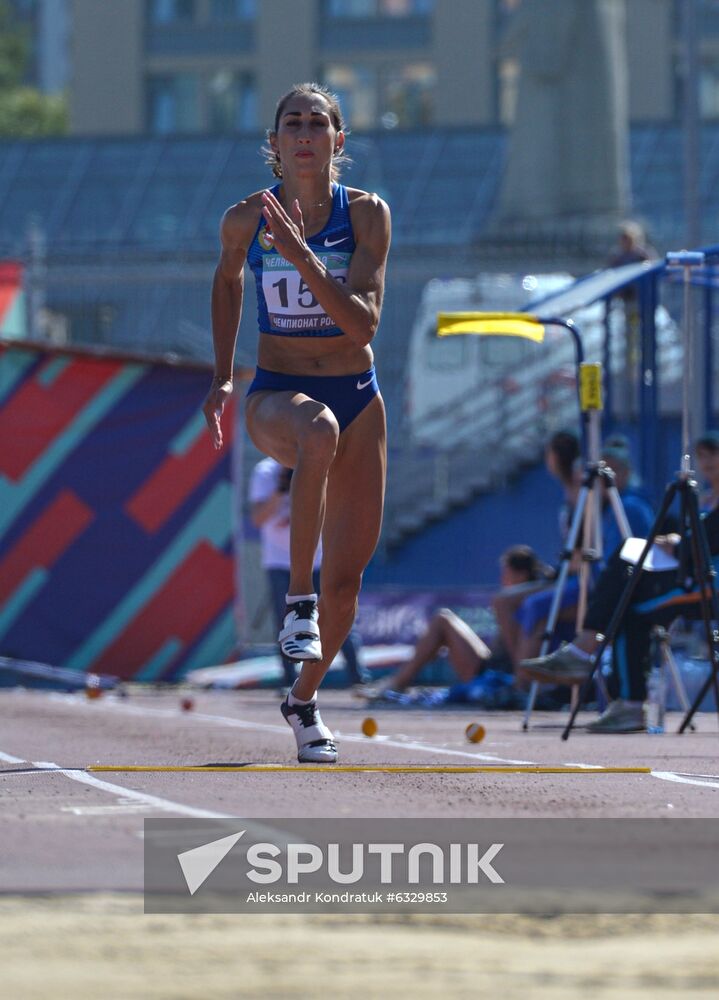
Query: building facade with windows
x=46 y=25
x=218 y=66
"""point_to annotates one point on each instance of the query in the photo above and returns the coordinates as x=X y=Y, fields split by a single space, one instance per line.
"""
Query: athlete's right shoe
x=299 y=637
x=315 y=742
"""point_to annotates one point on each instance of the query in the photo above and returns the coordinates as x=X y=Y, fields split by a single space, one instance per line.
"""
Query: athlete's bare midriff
x=312 y=355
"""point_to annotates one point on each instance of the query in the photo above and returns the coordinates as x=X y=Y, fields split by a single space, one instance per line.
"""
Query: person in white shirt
x=270 y=514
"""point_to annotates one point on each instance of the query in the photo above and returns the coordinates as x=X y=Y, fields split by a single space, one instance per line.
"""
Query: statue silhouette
x=567 y=155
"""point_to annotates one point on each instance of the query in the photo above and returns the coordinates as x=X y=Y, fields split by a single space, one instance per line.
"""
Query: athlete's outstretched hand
x=288 y=233
x=220 y=392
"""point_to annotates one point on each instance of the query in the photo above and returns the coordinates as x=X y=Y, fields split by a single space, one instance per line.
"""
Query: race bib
x=291 y=304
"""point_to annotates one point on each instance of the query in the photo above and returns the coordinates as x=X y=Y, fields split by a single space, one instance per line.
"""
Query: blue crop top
x=285 y=305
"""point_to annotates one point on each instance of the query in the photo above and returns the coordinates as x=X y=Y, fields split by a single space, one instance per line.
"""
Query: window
x=231 y=102
x=174 y=103
x=233 y=10
x=170 y=11
x=351 y=8
x=379 y=8
x=508 y=75
x=405 y=8
x=396 y=96
x=356 y=87
x=408 y=98
x=507 y=68
x=709 y=89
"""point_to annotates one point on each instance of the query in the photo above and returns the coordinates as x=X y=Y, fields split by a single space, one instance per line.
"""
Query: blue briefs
x=345 y=395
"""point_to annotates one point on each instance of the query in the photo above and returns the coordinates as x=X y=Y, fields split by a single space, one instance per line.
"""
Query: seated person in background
x=657 y=600
x=468 y=654
x=521 y=572
x=561 y=459
x=617 y=455
x=707 y=455
x=534 y=610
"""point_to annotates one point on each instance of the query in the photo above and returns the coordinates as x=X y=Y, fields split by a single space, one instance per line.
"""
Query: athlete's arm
x=355 y=306
x=227 y=288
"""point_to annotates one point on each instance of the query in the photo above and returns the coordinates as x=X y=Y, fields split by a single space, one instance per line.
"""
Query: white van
x=454 y=385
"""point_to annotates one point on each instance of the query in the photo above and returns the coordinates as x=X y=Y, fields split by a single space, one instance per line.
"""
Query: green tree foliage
x=24 y=111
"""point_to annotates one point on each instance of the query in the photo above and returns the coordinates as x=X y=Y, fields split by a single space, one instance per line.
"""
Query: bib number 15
x=290 y=294
x=305 y=298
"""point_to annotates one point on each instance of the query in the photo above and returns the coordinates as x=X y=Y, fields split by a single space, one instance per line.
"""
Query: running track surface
x=67 y=829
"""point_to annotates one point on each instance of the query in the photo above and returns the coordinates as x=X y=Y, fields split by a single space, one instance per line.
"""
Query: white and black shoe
x=315 y=743
x=299 y=637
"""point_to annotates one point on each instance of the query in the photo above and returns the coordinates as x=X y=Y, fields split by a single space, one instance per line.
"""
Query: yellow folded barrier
x=490 y=324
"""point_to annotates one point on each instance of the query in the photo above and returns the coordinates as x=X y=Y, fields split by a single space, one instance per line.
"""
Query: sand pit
x=93 y=946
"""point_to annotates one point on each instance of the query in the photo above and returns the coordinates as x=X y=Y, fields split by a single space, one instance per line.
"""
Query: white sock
x=300 y=597
x=581 y=653
x=293 y=700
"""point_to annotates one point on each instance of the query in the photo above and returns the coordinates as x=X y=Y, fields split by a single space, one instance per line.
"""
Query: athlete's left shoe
x=315 y=742
x=299 y=638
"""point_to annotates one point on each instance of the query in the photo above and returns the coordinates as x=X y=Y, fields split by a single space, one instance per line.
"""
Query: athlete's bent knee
x=319 y=438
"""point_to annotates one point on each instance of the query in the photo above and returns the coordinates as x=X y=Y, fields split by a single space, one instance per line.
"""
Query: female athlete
x=318 y=251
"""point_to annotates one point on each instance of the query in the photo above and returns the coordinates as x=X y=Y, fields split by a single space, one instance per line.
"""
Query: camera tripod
x=695 y=566
x=586 y=520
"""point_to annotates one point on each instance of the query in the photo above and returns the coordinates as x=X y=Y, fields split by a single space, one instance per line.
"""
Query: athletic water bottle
x=656 y=699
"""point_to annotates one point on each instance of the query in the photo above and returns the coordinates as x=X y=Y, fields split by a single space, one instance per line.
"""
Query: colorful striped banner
x=116 y=551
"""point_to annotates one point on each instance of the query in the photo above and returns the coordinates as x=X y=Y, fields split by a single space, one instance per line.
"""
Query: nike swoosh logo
x=333 y=243
x=363 y=385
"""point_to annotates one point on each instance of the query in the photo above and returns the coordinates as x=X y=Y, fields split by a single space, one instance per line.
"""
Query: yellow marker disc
x=369 y=727
x=475 y=733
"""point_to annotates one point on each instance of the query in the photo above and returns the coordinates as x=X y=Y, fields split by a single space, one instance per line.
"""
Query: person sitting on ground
x=534 y=610
x=658 y=599
x=467 y=653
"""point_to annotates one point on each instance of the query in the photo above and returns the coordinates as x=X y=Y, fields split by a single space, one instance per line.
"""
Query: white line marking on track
x=119 y=810
x=9 y=759
x=682 y=779
x=690 y=774
x=152 y=801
